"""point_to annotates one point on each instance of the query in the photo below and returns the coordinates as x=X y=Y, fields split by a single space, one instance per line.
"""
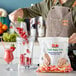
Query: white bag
x=57 y=50
x=55 y=47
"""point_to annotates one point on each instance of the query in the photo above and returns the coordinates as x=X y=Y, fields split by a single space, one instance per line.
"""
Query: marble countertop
x=4 y=72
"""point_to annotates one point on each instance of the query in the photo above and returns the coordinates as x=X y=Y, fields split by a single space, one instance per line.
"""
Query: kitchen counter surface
x=3 y=72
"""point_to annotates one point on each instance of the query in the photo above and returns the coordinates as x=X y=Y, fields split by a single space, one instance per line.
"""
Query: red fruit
x=22 y=59
x=27 y=51
x=25 y=36
x=28 y=60
x=42 y=69
x=11 y=27
x=12 y=48
x=22 y=34
x=18 y=28
x=62 y=71
x=1 y=31
x=53 y=45
x=53 y=68
x=57 y=45
x=21 y=29
x=48 y=69
x=1 y=24
x=26 y=40
x=69 y=65
x=39 y=70
x=57 y=69
x=23 y=42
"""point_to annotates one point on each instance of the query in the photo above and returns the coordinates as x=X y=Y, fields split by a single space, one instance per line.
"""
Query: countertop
x=3 y=72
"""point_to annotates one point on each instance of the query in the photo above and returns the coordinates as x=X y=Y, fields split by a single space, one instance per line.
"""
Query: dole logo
x=55 y=45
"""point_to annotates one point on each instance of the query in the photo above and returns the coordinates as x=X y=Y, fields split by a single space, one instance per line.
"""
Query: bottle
x=11 y=30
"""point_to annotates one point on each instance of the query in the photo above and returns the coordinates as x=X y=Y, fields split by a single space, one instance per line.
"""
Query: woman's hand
x=62 y=61
x=14 y=15
x=72 y=38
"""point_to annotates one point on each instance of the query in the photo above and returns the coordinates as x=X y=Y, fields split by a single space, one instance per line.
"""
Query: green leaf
x=20 y=19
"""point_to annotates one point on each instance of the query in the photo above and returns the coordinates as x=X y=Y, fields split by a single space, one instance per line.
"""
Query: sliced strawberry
x=22 y=59
x=48 y=69
x=20 y=32
x=27 y=41
x=11 y=27
x=28 y=61
x=21 y=29
x=25 y=36
x=18 y=28
x=23 y=42
x=27 y=51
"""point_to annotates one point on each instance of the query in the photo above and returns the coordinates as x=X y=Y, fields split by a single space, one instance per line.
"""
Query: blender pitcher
x=24 y=45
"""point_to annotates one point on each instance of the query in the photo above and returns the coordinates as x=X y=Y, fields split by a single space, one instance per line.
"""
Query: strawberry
x=28 y=60
x=53 y=45
x=57 y=45
x=18 y=28
x=22 y=34
x=11 y=27
x=48 y=69
x=23 y=42
x=22 y=59
x=27 y=41
x=27 y=51
x=21 y=29
x=12 y=48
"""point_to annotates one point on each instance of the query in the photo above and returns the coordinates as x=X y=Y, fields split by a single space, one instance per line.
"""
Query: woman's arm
x=30 y=12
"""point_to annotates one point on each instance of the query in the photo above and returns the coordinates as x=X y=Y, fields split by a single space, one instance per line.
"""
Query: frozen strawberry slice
x=27 y=51
x=18 y=28
x=21 y=29
x=48 y=69
x=43 y=69
x=27 y=41
x=22 y=34
x=28 y=61
x=22 y=59
x=25 y=36
x=23 y=42
x=10 y=27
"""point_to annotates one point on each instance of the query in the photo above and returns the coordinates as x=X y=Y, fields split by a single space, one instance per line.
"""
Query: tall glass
x=8 y=57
